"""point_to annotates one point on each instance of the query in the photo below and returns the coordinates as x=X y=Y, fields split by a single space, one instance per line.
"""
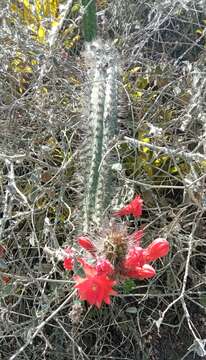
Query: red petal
x=134 y=208
x=95 y=289
x=134 y=258
x=137 y=206
x=136 y=236
x=89 y=270
x=104 y=267
x=86 y=244
x=157 y=249
x=144 y=272
x=107 y=300
x=122 y=212
x=68 y=263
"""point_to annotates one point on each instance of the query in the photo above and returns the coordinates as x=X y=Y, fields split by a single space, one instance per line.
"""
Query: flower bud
x=68 y=261
x=158 y=248
x=86 y=244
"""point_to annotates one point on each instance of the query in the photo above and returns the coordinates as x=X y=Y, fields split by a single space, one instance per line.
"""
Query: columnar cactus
x=102 y=124
x=89 y=20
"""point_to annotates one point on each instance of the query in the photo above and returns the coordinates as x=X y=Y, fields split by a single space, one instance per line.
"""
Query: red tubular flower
x=158 y=248
x=95 y=289
x=104 y=267
x=134 y=265
x=134 y=258
x=136 y=237
x=86 y=244
x=68 y=261
x=134 y=208
x=137 y=272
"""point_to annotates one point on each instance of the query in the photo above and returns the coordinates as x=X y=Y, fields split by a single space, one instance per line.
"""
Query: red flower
x=137 y=272
x=89 y=270
x=136 y=262
x=157 y=249
x=136 y=236
x=134 y=258
x=134 y=208
x=68 y=264
x=95 y=289
x=68 y=261
x=104 y=267
x=86 y=244
x=134 y=266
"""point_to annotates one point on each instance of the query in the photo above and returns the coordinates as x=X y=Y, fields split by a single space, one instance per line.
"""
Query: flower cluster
x=122 y=257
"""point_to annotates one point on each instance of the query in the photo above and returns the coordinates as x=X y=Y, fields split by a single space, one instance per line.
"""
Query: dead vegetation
x=161 y=149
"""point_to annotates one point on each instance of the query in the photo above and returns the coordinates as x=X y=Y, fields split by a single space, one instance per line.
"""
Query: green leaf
x=132 y=310
x=128 y=286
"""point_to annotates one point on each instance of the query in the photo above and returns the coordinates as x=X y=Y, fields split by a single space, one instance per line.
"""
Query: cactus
x=102 y=118
x=89 y=20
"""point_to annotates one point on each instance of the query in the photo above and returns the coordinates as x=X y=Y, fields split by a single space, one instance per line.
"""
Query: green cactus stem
x=89 y=20
x=102 y=124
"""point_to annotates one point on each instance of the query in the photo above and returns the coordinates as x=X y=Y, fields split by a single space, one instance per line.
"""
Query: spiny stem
x=89 y=20
x=102 y=129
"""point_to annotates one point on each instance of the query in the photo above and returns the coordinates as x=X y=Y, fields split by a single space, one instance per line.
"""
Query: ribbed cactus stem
x=103 y=127
x=89 y=20
x=103 y=193
x=95 y=119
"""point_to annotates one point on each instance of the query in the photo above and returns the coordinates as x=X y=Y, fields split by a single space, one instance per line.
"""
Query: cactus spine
x=103 y=127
